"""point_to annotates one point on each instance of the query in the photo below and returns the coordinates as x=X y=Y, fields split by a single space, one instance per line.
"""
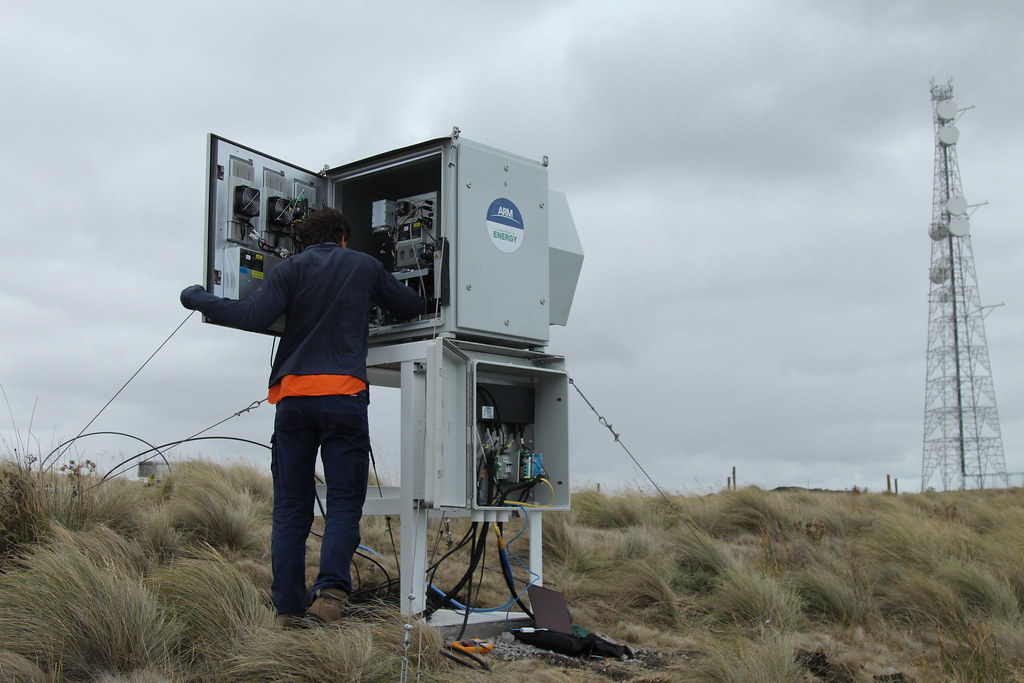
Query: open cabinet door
x=254 y=202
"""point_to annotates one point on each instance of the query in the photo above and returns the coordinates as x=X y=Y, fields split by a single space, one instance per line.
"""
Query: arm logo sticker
x=505 y=225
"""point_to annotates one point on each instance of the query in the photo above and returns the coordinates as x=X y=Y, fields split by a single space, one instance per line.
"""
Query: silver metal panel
x=230 y=235
x=446 y=462
x=566 y=254
x=501 y=245
x=244 y=270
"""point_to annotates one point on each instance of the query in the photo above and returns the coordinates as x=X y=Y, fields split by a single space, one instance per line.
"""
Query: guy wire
x=600 y=418
x=693 y=529
x=44 y=466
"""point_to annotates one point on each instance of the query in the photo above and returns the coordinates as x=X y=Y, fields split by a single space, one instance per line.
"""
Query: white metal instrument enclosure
x=497 y=259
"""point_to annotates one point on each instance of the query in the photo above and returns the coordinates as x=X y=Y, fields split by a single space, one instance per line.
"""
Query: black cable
x=473 y=554
x=476 y=559
x=130 y=436
x=479 y=542
x=449 y=655
x=389 y=588
x=432 y=569
x=389 y=582
x=391 y=534
x=359 y=578
x=320 y=504
x=387 y=576
x=447 y=598
x=440 y=531
x=160 y=450
x=166 y=446
x=458 y=546
x=43 y=466
x=499 y=432
x=251 y=406
x=479 y=586
x=373 y=461
x=506 y=571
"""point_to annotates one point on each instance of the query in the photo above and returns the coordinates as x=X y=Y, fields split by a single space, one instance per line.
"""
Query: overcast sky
x=752 y=182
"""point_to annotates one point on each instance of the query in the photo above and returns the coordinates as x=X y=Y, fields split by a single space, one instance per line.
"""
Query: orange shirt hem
x=315 y=385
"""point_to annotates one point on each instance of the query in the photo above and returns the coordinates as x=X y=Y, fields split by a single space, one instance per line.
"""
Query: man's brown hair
x=325 y=225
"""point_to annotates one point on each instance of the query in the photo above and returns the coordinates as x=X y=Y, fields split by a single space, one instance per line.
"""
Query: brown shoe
x=328 y=605
x=291 y=621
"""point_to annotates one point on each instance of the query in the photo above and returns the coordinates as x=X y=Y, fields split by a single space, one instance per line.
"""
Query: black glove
x=187 y=294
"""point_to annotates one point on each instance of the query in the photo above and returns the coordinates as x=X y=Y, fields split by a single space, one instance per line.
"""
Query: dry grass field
x=134 y=583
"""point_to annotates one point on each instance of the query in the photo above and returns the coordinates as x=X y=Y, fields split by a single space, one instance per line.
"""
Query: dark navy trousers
x=337 y=426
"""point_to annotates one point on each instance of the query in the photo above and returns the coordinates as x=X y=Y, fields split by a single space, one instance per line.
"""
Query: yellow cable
x=497 y=534
x=530 y=505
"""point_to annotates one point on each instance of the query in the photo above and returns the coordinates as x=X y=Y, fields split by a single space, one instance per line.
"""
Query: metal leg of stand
x=537 y=546
x=414 y=557
x=414 y=518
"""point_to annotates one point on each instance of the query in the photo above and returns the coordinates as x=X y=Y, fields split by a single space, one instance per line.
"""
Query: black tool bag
x=590 y=645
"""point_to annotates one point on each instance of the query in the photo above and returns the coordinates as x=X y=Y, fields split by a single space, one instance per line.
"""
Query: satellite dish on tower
x=957 y=206
x=938 y=274
x=938 y=231
x=959 y=226
x=946 y=109
x=949 y=134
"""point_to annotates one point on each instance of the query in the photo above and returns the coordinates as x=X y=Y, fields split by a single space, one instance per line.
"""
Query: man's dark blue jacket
x=325 y=294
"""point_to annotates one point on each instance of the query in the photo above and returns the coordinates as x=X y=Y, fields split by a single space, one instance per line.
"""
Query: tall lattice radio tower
x=963 y=445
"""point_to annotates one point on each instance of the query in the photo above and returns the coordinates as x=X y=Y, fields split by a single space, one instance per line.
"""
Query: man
x=318 y=381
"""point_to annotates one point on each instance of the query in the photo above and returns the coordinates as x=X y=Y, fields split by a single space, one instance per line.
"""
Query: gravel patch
x=508 y=649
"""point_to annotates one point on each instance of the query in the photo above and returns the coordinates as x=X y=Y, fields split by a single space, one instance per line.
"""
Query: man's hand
x=187 y=293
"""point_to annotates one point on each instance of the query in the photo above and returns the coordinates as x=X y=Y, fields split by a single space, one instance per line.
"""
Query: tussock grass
x=575 y=548
x=31 y=502
x=144 y=584
x=980 y=651
x=919 y=598
x=14 y=667
x=647 y=587
x=751 y=510
x=636 y=543
x=367 y=651
x=980 y=590
x=115 y=503
x=156 y=534
x=77 y=615
x=138 y=676
x=255 y=483
x=833 y=595
x=213 y=602
x=215 y=512
x=920 y=541
x=750 y=600
x=76 y=499
x=739 y=660
x=20 y=513
x=702 y=559
x=104 y=546
x=625 y=509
